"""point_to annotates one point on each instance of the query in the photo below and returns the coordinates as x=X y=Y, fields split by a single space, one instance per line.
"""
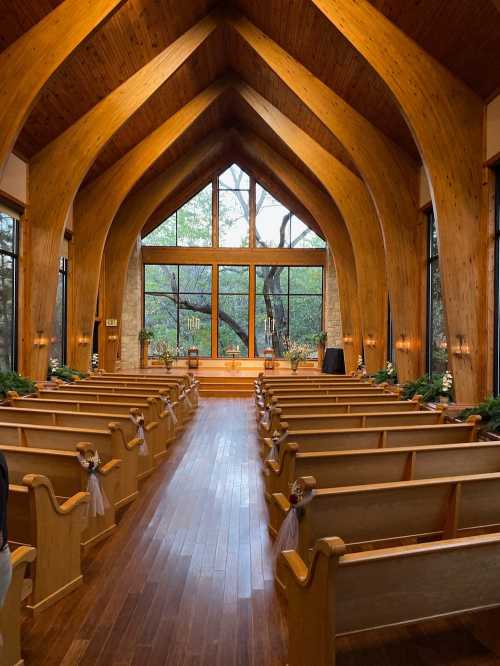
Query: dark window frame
x=63 y=274
x=14 y=255
x=232 y=293
x=496 y=287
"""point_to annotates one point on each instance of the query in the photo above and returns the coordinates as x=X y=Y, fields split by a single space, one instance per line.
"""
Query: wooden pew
x=375 y=514
x=300 y=393
x=109 y=442
x=298 y=408
x=10 y=614
x=308 y=398
x=351 y=468
x=36 y=518
x=263 y=377
x=384 y=436
x=339 y=594
x=95 y=421
x=360 y=420
x=68 y=478
x=156 y=417
x=177 y=388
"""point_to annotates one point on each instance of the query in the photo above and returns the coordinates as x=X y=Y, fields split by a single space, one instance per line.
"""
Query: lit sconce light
x=40 y=341
x=403 y=343
x=443 y=344
x=347 y=339
x=112 y=338
x=83 y=340
x=461 y=347
x=370 y=341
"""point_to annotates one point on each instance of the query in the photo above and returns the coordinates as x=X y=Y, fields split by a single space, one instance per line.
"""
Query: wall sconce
x=370 y=341
x=40 y=341
x=347 y=339
x=403 y=343
x=112 y=338
x=461 y=348
x=443 y=344
x=83 y=340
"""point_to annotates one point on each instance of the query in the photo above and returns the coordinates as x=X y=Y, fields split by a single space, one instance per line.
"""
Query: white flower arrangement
x=95 y=361
x=296 y=352
x=361 y=364
x=389 y=368
x=53 y=365
x=447 y=382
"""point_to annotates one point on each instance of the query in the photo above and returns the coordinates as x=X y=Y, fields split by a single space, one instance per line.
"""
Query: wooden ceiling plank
x=57 y=171
x=333 y=226
x=390 y=175
x=127 y=225
x=96 y=206
x=27 y=64
x=354 y=203
x=446 y=119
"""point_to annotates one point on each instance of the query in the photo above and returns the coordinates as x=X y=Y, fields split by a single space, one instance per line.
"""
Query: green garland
x=12 y=381
x=488 y=410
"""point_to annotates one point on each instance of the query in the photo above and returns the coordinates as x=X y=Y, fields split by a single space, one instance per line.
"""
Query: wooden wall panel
x=446 y=119
x=390 y=175
x=96 y=206
x=57 y=172
x=356 y=207
x=28 y=63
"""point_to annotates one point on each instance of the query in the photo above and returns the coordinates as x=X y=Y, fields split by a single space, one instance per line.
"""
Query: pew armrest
x=281 y=502
x=108 y=467
x=38 y=480
x=23 y=555
x=330 y=547
x=133 y=443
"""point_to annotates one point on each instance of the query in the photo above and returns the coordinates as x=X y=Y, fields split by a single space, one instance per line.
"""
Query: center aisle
x=187 y=577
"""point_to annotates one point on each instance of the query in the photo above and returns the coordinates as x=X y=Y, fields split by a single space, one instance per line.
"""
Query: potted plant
x=489 y=411
x=11 y=381
x=386 y=375
x=166 y=353
x=446 y=386
x=145 y=337
x=430 y=388
x=320 y=339
x=295 y=353
x=361 y=368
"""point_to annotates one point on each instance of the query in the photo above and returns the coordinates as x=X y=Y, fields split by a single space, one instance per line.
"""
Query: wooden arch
x=326 y=213
x=29 y=62
x=96 y=206
x=390 y=175
x=446 y=119
x=356 y=207
x=57 y=171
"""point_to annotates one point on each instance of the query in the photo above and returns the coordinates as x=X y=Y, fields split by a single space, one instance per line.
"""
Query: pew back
x=362 y=420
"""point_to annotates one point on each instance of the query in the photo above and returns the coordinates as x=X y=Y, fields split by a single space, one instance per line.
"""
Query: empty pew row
x=109 y=443
x=158 y=417
x=341 y=593
x=350 y=468
x=36 y=518
x=298 y=408
x=309 y=398
x=10 y=613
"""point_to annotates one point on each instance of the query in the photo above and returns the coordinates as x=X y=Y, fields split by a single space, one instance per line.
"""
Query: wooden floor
x=186 y=580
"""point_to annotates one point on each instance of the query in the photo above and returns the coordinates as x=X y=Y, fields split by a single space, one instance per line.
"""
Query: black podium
x=333 y=363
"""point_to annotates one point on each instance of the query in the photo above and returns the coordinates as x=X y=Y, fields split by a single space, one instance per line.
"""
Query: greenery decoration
x=295 y=353
x=488 y=410
x=146 y=335
x=430 y=388
x=387 y=374
x=67 y=374
x=12 y=381
x=321 y=338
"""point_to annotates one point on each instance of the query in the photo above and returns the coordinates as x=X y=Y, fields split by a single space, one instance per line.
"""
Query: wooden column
x=446 y=120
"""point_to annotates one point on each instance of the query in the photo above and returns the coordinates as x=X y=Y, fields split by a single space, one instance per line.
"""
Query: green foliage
x=488 y=410
x=66 y=374
x=321 y=338
x=429 y=388
x=11 y=381
x=387 y=374
x=145 y=335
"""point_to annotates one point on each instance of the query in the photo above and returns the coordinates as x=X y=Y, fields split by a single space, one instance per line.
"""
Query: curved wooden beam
x=333 y=226
x=356 y=207
x=97 y=204
x=446 y=119
x=57 y=171
x=29 y=62
x=126 y=227
x=390 y=175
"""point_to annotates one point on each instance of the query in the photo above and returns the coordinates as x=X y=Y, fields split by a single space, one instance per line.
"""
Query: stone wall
x=132 y=311
x=333 y=319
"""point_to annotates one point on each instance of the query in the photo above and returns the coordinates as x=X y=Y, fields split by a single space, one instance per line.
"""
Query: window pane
x=191 y=306
x=233 y=323
x=58 y=330
x=194 y=221
x=160 y=315
x=439 y=353
x=271 y=334
x=271 y=218
x=164 y=234
x=233 y=218
x=271 y=279
x=7 y=311
x=195 y=279
x=233 y=279
x=306 y=280
x=303 y=237
x=234 y=178
x=160 y=277
x=433 y=232
x=305 y=319
x=7 y=233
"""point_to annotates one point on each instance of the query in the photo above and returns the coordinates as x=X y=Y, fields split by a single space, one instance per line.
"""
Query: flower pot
x=294 y=365
x=168 y=365
x=444 y=399
x=321 y=355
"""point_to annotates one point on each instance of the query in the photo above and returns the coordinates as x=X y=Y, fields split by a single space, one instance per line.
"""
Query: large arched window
x=258 y=267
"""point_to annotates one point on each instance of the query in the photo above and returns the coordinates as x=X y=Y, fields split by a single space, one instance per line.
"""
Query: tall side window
x=9 y=256
x=496 y=369
x=59 y=331
x=233 y=309
x=437 y=344
x=234 y=208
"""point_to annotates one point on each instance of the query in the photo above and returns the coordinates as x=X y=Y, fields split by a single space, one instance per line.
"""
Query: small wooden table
x=234 y=354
